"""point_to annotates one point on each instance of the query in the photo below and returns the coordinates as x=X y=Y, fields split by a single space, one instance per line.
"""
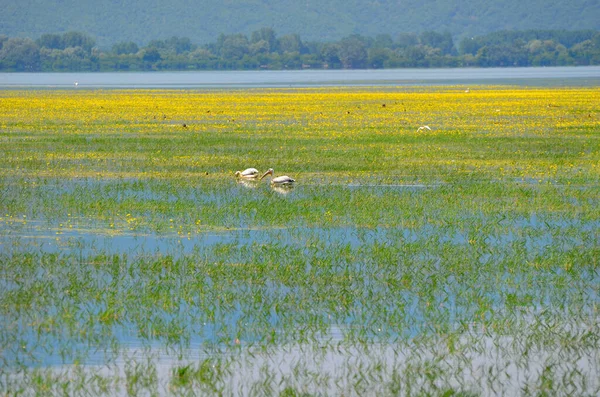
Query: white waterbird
x=248 y=173
x=423 y=127
x=280 y=180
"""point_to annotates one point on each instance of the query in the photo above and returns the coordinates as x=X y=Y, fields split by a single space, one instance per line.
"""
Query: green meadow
x=462 y=260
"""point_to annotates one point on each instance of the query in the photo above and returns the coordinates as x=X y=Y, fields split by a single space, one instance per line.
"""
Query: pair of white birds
x=252 y=173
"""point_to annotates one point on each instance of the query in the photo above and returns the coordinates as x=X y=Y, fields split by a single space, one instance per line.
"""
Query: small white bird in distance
x=76 y=83
x=423 y=127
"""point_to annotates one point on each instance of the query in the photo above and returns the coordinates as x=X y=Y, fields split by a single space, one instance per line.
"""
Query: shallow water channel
x=223 y=296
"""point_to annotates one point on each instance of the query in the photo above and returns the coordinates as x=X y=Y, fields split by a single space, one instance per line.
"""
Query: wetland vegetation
x=458 y=261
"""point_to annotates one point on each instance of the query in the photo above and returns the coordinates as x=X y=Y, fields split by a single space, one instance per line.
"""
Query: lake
x=536 y=76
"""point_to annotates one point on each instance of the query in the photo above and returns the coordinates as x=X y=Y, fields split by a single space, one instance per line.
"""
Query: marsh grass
x=463 y=261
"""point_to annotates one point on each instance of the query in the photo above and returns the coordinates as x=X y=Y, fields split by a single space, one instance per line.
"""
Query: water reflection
x=283 y=190
x=534 y=234
x=249 y=183
x=485 y=363
x=346 y=297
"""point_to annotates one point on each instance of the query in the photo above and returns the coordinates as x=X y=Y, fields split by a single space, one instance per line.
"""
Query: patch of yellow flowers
x=35 y=124
x=339 y=111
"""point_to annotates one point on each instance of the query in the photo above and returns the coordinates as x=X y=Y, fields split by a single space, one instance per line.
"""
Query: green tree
x=416 y=56
x=78 y=39
x=122 y=48
x=502 y=55
x=290 y=43
x=585 y=53
x=383 y=41
x=406 y=40
x=596 y=41
x=443 y=41
x=158 y=44
x=330 y=53
x=20 y=54
x=378 y=57
x=151 y=55
x=202 y=58
x=179 y=45
x=469 y=45
x=353 y=53
x=259 y=47
x=234 y=47
x=52 y=41
x=266 y=35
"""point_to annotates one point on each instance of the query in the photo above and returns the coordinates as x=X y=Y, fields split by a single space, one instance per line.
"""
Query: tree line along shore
x=264 y=49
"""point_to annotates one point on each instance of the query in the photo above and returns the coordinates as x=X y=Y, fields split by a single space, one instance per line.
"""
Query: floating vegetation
x=457 y=260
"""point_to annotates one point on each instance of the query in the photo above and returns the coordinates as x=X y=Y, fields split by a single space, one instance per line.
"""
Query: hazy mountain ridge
x=111 y=21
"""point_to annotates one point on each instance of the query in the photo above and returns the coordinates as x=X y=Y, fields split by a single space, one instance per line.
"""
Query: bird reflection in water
x=249 y=183
x=283 y=189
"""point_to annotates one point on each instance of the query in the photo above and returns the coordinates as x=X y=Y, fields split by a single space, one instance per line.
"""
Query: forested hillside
x=140 y=21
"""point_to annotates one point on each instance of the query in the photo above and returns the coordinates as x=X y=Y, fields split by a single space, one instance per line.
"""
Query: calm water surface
x=544 y=76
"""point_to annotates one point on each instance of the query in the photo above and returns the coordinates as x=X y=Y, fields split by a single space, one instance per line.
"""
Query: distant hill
x=111 y=21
